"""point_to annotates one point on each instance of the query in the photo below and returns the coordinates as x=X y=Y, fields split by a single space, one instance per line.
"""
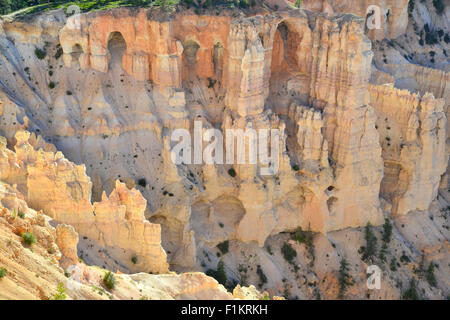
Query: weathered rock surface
x=392 y=15
x=413 y=136
x=63 y=191
x=127 y=79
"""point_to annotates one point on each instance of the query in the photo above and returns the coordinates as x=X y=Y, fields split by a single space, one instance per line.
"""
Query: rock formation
x=413 y=136
x=392 y=15
x=61 y=189
x=115 y=84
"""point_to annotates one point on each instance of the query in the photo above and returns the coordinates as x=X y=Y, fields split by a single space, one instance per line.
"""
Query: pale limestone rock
x=67 y=241
x=413 y=136
x=393 y=14
x=63 y=191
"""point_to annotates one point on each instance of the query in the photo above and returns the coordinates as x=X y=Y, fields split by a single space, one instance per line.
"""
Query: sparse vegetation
x=288 y=252
x=393 y=265
x=439 y=6
x=218 y=274
x=262 y=276
x=305 y=237
x=40 y=53
x=2 y=272
x=60 y=293
x=109 y=280
x=21 y=214
x=387 y=235
x=387 y=231
x=29 y=238
x=411 y=293
x=59 y=53
x=223 y=247
x=429 y=275
x=370 y=250
x=232 y=172
x=345 y=280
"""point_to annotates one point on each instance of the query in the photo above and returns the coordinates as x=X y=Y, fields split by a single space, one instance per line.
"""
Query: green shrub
x=134 y=259
x=262 y=276
x=288 y=252
x=218 y=274
x=439 y=6
x=109 y=280
x=69 y=93
x=59 y=53
x=51 y=85
x=3 y=272
x=29 y=238
x=21 y=214
x=223 y=247
x=232 y=172
x=393 y=265
x=60 y=293
x=40 y=54
x=296 y=167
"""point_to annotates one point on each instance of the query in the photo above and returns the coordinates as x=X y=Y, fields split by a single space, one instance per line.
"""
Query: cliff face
x=197 y=65
x=413 y=136
x=63 y=191
x=393 y=14
x=115 y=84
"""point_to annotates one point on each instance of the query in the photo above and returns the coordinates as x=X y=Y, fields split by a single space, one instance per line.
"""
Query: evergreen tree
x=5 y=6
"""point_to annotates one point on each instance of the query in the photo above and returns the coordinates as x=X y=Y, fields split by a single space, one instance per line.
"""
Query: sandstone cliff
x=124 y=80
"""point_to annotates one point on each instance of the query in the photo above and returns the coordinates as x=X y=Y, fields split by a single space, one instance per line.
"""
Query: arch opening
x=190 y=49
x=286 y=80
x=218 y=53
x=77 y=50
x=116 y=49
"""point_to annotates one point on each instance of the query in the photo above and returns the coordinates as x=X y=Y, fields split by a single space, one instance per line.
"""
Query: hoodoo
x=323 y=149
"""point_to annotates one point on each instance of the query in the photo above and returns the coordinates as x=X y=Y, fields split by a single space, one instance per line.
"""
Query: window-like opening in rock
x=116 y=48
x=287 y=81
x=218 y=52
x=190 y=51
x=261 y=38
x=368 y=15
x=190 y=48
x=76 y=53
x=331 y=203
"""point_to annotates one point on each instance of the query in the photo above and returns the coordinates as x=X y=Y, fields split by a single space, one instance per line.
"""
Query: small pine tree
x=345 y=280
x=60 y=293
x=411 y=293
x=429 y=275
x=420 y=270
x=387 y=231
x=109 y=280
x=370 y=251
x=393 y=265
